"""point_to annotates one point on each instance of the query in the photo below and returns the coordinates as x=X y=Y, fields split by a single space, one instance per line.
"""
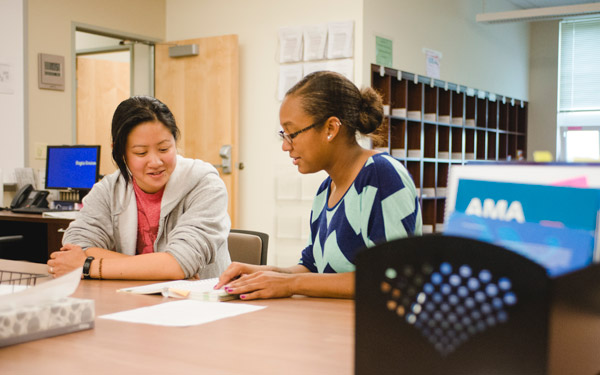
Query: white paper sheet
x=289 y=75
x=340 y=39
x=315 y=38
x=345 y=67
x=311 y=67
x=182 y=313
x=52 y=290
x=290 y=44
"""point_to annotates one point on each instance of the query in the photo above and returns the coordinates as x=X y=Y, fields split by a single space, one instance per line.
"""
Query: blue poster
x=554 y=226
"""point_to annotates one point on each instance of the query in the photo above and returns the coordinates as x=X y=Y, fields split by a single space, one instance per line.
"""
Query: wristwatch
x=86 y=267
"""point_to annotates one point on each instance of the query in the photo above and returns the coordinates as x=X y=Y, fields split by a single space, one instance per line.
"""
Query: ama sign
x=499 y=210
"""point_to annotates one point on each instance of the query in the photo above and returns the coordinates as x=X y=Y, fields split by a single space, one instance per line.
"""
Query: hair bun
x=371 y=111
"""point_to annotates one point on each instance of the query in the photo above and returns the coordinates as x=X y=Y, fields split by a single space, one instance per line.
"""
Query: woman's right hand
x=236 y=270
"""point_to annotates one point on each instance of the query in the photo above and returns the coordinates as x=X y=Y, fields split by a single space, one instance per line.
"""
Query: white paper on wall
x=290 y=44
x=311 y=67
x=315 y=38
x=289 y=75
x=344 y=67
x=340 y=39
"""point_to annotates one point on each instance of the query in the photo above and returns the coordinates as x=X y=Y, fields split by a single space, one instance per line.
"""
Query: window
x=579 y=88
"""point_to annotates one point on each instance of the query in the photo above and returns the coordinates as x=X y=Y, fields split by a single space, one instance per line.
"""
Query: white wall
x=487 y=57
x=543 y=88
x=50 y=23
x=257 y=23
x=12 y=88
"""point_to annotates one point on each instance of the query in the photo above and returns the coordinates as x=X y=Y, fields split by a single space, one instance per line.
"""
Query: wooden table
x=41 y=235
x=296 y=335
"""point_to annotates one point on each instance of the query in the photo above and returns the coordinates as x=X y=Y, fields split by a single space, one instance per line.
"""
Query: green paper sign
x=383 y=51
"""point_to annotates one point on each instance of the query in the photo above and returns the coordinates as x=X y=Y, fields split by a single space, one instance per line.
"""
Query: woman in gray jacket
x=160 y=216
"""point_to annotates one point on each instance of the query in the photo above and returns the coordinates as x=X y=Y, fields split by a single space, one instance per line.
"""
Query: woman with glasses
x=368 y=197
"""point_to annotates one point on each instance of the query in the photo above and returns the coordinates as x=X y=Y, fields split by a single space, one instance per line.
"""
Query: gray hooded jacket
x=193 y=225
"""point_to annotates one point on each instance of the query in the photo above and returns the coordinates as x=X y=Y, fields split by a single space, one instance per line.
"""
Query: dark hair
x=324 y=94
x=129 y=114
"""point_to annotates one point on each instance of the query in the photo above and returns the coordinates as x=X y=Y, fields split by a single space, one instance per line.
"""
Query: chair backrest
x=450 y=305
x=247 y=246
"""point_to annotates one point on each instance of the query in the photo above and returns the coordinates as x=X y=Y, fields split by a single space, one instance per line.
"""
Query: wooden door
x=202 y=92
x=101 y=86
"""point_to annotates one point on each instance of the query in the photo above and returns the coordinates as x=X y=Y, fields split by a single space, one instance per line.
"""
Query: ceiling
x=528 y=4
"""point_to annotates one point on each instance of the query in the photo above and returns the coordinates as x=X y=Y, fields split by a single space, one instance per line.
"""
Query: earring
x=329 y=136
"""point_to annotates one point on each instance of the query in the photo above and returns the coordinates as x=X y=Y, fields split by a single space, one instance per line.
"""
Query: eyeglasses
x=290 y=137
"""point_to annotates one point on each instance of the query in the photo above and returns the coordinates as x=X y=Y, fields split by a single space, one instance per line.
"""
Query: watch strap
x=86 y=267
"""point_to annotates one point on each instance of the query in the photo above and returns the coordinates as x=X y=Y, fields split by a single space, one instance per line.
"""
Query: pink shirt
x=148 y=208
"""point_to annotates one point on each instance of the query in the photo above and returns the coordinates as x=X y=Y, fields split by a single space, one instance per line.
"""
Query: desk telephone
x=26 y=197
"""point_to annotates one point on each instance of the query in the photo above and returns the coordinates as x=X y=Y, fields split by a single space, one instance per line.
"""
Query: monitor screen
x=72 y=167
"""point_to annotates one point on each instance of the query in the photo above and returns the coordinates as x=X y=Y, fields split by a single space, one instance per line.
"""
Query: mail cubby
x=444 y=100
x=381 y=84
x=429 y=177
x=503 y=116
x=414 y=168
x=430 y=141
x=443 y=142
x=481 y=110
x=442 y=179
x=457 y=117
x=431 y=102
x=469 y=144
x=492 y=120
x=491 y=145
x=431 y=124
x=398 y=97
x=470 y=109
x=414 y=139
x=502 y=146
x=439 y=214
x=481 y=143
x=428 y=214
x=414 y=99
x=513 y=117
x=522 y=118
x=398 y=138
x=457 y=143
x=512 y=146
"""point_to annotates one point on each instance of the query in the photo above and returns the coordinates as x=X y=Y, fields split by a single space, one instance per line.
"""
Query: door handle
x=225 y=154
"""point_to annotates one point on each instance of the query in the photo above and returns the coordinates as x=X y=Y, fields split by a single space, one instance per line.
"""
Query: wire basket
x=12 y=281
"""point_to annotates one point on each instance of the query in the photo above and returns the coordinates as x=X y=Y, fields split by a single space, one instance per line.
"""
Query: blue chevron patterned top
x=380 y=205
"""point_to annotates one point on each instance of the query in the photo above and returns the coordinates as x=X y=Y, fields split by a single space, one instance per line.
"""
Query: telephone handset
x=26 y=197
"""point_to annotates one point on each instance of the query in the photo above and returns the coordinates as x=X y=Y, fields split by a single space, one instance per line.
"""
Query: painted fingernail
x=242 y=296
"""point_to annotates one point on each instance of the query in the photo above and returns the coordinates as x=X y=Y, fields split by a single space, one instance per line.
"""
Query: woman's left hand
x=262 y=284
x=66 y=260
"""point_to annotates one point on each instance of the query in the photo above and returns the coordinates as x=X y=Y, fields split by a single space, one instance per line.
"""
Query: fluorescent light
x=540 y=14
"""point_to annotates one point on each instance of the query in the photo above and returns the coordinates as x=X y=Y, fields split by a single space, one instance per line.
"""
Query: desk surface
x=36 y=218
x=291 y=336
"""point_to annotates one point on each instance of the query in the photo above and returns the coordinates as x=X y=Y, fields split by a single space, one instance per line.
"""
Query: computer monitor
x=72 y=167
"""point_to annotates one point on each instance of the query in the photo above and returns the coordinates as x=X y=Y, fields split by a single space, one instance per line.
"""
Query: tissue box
x=52 y=319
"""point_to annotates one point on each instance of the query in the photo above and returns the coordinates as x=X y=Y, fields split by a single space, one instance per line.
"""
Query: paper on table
x=182 y=313
x=53 y=290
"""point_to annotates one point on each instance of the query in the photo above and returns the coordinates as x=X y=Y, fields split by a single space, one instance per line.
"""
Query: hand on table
x=261 y=284
x=66 y=260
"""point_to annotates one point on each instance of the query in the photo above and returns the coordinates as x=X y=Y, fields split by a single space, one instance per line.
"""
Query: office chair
x=248 y=246
x=449 y=305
